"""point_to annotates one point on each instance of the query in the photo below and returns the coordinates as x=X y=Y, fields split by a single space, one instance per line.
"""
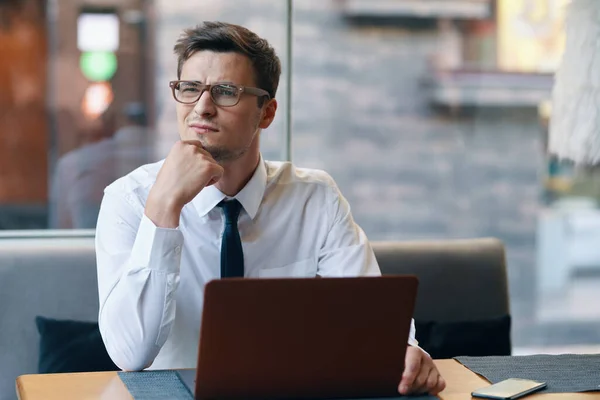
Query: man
x=213 y=206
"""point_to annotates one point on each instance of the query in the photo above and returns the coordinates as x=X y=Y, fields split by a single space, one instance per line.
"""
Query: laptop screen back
x=304 y=337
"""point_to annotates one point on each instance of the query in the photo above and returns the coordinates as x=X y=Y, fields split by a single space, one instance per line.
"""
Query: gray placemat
x=564 y=373
x=421 y=397
x=155 y=385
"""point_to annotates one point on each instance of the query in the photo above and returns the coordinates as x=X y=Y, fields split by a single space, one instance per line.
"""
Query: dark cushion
x=71 y=346
x=490 y=337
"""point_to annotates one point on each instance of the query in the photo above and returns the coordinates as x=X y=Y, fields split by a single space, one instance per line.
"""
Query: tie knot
x=231 y=209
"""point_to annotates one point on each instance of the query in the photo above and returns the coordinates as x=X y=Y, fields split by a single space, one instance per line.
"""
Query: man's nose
x=205 y=105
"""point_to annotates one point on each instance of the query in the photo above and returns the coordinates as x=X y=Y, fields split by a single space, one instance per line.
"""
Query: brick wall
x=359 y=113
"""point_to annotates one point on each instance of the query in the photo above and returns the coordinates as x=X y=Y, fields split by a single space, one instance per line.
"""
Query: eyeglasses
x=222 y=94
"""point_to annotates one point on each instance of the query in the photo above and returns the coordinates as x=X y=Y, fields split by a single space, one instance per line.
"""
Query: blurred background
x=431 y=115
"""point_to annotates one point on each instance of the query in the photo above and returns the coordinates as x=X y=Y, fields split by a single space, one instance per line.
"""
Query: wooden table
x=108 y=386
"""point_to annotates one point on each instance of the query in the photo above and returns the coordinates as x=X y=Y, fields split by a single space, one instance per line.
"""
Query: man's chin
x=217 y=152
x=222 y=155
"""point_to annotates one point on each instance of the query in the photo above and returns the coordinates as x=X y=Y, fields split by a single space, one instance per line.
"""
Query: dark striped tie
x=232 y=255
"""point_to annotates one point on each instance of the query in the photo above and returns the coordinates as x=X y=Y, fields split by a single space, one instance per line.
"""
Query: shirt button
x=178 y=250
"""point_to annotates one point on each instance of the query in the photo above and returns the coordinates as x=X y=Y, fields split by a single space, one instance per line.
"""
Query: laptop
x=303 y=338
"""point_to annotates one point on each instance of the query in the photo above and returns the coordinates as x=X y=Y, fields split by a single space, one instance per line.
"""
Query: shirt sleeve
x=346 y=250
x=138 y=274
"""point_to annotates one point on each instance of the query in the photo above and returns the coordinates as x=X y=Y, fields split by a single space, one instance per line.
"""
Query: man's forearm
x=133 y=318
x=137 y=279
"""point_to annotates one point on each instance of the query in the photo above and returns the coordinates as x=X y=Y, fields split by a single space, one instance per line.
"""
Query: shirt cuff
x=156 y=248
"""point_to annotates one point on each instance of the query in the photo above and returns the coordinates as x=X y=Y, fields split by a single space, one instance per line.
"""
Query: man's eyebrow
x=191 y=81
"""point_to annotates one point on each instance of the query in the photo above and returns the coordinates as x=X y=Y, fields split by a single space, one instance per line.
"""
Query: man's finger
x=412 y=366
x=212 y=181
x=197 y=144
x=431 y=385
x=420 y=384
x=441 y=384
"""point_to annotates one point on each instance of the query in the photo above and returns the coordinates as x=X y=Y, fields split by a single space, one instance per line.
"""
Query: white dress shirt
x=294 y=223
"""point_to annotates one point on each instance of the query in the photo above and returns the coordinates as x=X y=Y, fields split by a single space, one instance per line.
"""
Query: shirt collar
x=250 y=196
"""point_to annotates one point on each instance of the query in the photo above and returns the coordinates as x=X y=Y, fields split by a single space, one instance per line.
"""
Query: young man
x=214 y=208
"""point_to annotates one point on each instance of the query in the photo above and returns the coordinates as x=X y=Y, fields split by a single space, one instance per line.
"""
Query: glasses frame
x=204 y=87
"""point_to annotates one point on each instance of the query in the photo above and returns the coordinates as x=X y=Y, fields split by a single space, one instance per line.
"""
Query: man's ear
x=268 y=114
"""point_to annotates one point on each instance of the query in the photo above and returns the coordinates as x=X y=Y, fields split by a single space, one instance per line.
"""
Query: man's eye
x=189 y=89
x=226 y=90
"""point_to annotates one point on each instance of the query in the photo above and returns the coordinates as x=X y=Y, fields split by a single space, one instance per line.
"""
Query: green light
x=98 y=66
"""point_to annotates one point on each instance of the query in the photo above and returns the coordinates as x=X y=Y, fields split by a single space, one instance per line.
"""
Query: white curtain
x=575 y=121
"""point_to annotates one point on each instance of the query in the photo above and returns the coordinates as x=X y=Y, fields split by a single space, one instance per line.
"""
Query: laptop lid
x=304 y=337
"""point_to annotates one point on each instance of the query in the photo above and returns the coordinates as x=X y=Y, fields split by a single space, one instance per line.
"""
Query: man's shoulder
x=141 y=178
x=286 y=173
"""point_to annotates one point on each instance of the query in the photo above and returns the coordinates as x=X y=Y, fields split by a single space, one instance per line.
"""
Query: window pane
x=23 y=125
x=85 y=97
x=433 y=127
x=431 y=115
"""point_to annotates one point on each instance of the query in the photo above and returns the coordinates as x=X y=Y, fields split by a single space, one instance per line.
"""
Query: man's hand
x=420 y=374
x=186 y=171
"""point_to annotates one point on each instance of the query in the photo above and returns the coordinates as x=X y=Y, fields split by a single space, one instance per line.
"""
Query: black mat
x=565 y=373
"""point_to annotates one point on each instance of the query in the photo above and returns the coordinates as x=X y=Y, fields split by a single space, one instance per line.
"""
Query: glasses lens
x=187 y=92
x=225 y=95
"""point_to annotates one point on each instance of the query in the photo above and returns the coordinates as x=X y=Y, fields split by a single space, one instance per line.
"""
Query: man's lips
x=203 y=128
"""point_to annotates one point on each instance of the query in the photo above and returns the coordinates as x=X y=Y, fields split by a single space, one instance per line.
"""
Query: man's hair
x=223 y=37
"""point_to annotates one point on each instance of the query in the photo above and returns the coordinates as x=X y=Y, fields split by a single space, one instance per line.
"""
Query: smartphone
x=509 y=389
